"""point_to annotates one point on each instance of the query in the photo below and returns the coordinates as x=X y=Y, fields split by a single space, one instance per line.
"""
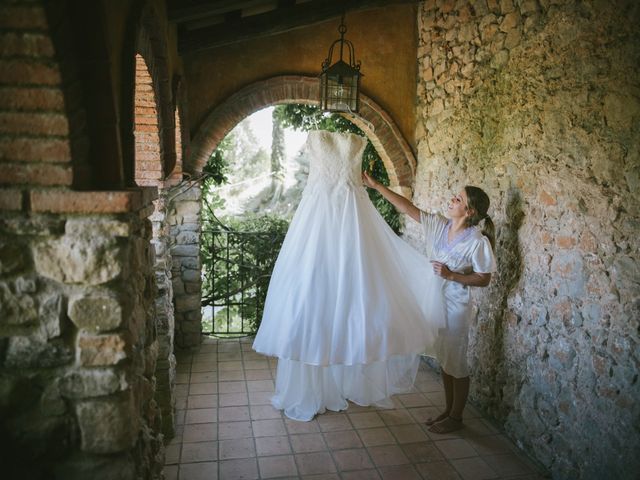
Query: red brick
x=31 y=99
x=68 y=201
x=28 y=72
x=148 y=156
x=10 y=199
x=145 y=110
x=25 y=44
x=34 y=150
x=35 y=174
x=147 y=120
x=22 y=17
x=34 y=123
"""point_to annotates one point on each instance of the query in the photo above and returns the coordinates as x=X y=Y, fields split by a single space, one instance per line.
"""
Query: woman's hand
x=369 y=181
x=441 y=270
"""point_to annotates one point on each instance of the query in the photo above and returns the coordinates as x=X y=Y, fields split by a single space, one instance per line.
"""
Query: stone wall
x=184 y=222
x=164 y=315
x=78 y=347
x=538 y=102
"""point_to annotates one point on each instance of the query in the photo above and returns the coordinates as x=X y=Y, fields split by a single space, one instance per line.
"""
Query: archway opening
x=252 y=185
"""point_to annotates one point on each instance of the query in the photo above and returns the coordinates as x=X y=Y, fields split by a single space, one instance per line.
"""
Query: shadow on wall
x=491 y=328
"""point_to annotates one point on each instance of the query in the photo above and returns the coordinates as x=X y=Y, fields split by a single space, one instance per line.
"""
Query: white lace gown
x=350 y=305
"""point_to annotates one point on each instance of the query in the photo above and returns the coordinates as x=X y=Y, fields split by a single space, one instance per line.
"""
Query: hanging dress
x=350 y=305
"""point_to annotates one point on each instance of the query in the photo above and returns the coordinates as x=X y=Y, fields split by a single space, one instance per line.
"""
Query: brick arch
x=152 y=70
x=394 y=150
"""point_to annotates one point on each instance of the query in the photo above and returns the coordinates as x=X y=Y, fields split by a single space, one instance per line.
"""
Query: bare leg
x=460 y=393
x=447 y=382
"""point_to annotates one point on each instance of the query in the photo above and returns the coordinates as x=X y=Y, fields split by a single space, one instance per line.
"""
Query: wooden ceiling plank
x=271 y=23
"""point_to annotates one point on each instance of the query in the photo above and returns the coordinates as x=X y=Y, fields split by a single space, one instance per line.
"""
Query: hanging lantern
x=340 y=82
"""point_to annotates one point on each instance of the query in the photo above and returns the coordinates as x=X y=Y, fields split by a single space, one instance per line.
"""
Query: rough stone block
x=94 y=382
x=13 y=257
x=96 y=312
x=191 y=275
x=185 y=251
x=90 y=260
x=34 y=352
x=16 y=309
x=102 y=350
x=52 y=315
x=109 y=425
x=187 y=302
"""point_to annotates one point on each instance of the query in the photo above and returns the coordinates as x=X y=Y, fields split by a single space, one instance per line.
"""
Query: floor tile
x=237 y=448
x=396 y=417
x=400 y=472
x=313 y=463
x=357 y=459
x=273 y=445
x=366 y=420
x=342 y=440
x=331 y=423
x=232 y=387
x=422 y=452
x=172 y=454
x=278 y=466
x=474 y=468
x=199 y=471
x=294 y=426
x=199 y=452
x=268 y=428
x=438 y=471
x=361 y=475
x=308 y=442
x=387 y=455
x=456 y=448
x=201 y=415
x=260 y=398
x=171 y=472
x=239 y=469
x=257 y=375
x=202 y=401
x=372 y=437
x=203 y=388
x=260 y=385
x=264 y=412
x=408 y=433
x=233 y=414
x=231 y=375
x=200 y=432
x=232 y=430
x=232 y=399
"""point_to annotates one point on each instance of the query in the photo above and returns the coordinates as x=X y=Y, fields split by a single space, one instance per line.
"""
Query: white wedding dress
x=350 y=305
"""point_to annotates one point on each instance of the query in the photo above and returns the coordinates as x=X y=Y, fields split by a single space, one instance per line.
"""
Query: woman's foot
x=447 y=425
x=431 y=420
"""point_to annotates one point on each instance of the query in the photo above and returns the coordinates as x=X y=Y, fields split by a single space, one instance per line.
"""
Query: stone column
x=79 y=345
x=185 y=225
x=165 y=323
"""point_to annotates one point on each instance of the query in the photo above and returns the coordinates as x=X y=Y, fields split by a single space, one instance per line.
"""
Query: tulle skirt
x=350 y=306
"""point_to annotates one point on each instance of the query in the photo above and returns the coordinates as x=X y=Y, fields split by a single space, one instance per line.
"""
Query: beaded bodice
x=336 y=158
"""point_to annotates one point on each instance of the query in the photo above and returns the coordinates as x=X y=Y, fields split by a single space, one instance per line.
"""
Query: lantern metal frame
x=340 y=82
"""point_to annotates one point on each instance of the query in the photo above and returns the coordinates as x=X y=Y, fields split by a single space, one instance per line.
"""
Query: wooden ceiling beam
x=284 y=19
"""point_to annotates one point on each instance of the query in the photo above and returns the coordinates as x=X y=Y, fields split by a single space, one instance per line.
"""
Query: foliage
x=309 y=117
x=243 y=254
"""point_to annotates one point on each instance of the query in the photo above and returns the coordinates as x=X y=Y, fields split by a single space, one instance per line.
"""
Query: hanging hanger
x=362 y=119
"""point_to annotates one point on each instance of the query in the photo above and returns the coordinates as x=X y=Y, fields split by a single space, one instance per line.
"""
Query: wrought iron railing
x=237 y=270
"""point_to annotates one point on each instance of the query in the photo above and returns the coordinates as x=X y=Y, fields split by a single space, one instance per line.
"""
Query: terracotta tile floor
x=228 y=430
